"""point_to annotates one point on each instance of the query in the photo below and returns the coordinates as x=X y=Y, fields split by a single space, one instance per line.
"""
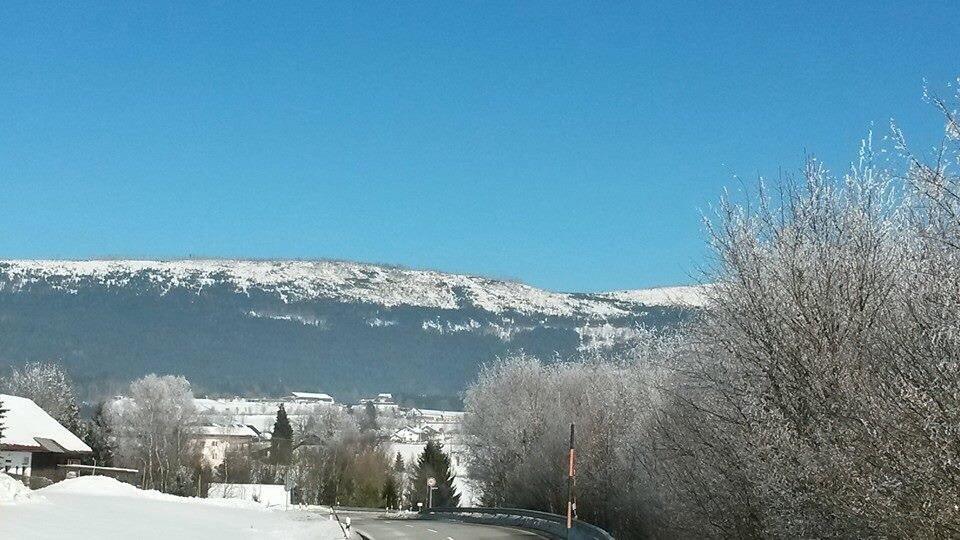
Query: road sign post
x=288 y=485
x=571 y=484
x=431 y=485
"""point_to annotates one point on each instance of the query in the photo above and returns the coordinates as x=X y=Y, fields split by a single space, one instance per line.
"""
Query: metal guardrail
x=552 y=524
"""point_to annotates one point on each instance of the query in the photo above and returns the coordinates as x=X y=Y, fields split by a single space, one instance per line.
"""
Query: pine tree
x=369 y=420
x=97 y=436
x=3 y=412
x=433 y=462
x=281 y=443
x=390 y=495
x=398 y=464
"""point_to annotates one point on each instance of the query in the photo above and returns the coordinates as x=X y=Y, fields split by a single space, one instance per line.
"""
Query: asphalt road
x=385 y=529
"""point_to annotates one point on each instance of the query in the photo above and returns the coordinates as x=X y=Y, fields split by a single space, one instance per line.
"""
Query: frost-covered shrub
x=517 y=429
x=823 y=399
x=817 y=395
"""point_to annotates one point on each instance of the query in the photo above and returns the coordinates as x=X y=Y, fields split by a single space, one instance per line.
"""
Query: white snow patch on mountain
x=606 y=336
x=686 y=295
x=307 y=321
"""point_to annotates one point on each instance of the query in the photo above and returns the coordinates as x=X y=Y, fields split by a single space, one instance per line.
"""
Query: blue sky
x=569 y=145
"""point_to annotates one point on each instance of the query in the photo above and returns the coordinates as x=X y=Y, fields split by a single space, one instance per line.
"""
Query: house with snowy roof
x=312 y=397
x=216 y=439
x=34 y=443
x=383 y=403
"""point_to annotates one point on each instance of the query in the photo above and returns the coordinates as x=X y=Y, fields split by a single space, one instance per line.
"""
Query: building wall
x=45 y=465
x=15 y=462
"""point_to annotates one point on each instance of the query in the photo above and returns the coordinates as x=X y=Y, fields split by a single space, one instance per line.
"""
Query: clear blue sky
x=571 y=146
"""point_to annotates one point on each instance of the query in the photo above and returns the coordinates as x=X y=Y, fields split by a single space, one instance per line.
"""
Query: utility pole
x=571 y=484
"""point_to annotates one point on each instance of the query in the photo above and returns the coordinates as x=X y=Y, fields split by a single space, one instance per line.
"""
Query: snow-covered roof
x=312 y=395
x=28 y=427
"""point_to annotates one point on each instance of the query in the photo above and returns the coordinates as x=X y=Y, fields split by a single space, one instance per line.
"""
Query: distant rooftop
x=312 y=395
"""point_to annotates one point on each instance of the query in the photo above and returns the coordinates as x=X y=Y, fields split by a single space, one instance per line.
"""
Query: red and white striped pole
x=571 y=482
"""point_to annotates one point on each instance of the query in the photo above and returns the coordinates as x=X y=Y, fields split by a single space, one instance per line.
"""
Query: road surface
x=385 y=529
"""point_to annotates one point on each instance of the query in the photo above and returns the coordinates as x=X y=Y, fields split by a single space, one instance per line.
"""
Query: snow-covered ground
x=105 y=509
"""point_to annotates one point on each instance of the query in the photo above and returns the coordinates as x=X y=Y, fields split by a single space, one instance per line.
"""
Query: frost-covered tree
x=49 y=386
x=151 y=427
x=517 y=433
x=817 y=394
x=823 y=400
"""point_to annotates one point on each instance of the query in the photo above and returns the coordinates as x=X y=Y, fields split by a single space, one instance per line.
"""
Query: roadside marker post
x=571 y=483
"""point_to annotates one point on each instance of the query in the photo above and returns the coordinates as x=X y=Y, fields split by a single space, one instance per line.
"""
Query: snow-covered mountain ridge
x=293 y=281
x=344 y=328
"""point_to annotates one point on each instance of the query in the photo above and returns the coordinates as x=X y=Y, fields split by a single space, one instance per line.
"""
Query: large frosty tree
x=281 y=443
x=49 y=387
x=152 y=431
x=433 y=463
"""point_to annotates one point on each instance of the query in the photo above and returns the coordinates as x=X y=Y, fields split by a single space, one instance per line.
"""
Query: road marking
x=449 y=538
x=408 y=526
x=431 y=530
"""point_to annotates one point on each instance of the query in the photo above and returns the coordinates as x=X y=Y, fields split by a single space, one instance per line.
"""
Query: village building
x=217 y=439
x=311 y=397
x=34 y=444
x=383 y=403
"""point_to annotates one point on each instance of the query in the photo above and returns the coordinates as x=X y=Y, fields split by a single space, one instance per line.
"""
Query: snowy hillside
x=273 y=326
x=344 y=281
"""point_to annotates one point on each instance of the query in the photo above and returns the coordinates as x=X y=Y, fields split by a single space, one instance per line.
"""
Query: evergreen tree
x=281 y=443
x=433 y=462
x=398 y=464
x=390 y=495
x=369 y=420
x=3 y=412
x=97 y=436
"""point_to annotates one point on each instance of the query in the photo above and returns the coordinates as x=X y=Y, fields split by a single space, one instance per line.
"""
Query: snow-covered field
x=105 y=509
